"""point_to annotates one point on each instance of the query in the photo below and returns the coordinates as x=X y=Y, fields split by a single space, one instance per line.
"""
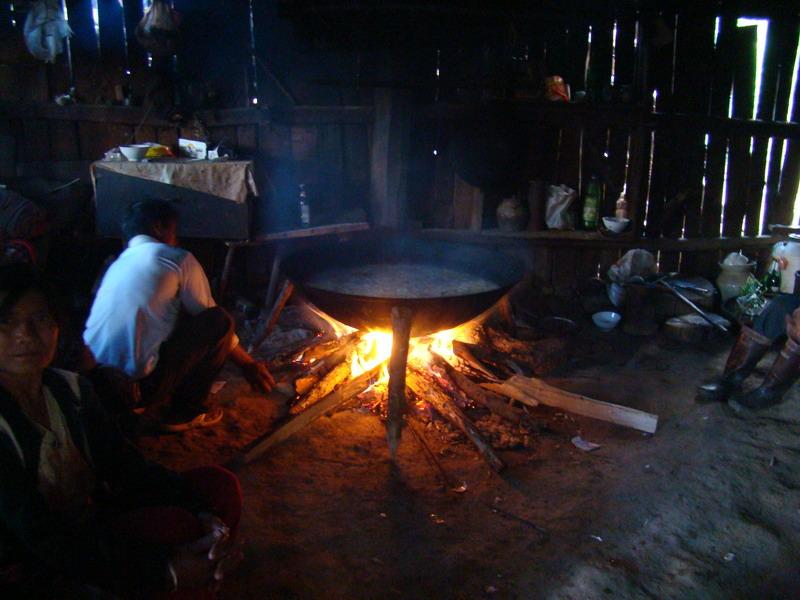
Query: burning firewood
x=329 y=382
x=475 y=392
x=539 y=357
x=464 y=351
x=338 y=352
x=330 y=402
x=419 y=383
x=318 y=352
x=498 y=365
x=291 y=355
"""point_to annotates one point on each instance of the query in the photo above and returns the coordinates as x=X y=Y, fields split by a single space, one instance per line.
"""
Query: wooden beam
x=583 y=405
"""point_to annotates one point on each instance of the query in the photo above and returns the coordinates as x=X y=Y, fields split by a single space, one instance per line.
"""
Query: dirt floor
x=708 y=507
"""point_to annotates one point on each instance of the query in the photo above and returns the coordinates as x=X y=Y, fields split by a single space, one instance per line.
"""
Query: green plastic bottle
x=591 y=204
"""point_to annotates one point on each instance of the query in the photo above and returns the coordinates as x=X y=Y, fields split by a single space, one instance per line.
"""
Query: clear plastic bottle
x=621 y=208
x=591 y=204
x=305 y=208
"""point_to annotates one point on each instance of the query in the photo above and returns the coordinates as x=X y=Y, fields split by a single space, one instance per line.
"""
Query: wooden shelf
x=136 y=115
x=593 y=238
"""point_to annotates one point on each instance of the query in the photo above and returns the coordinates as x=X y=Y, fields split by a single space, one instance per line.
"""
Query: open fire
x=438 y=390
x=474 y=382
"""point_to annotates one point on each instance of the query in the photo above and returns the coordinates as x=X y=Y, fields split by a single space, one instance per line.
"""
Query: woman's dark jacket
x=36 y=536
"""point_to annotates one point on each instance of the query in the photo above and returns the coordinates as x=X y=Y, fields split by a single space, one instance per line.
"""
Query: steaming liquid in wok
x=400 y=280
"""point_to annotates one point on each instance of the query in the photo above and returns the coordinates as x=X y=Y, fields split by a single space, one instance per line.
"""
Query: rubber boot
x=749 y=348
x=784 y=372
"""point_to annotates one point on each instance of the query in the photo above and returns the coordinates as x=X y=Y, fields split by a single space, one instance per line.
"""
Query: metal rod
x=694 y=306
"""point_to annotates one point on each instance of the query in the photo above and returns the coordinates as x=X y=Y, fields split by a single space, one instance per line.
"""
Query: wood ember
x=374 y=399
x=502 y=434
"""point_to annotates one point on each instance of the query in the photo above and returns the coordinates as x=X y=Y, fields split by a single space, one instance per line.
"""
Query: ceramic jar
x=512 y=215
x=732 y=278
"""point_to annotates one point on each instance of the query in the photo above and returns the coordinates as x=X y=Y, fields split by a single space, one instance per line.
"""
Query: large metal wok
x=435 y=309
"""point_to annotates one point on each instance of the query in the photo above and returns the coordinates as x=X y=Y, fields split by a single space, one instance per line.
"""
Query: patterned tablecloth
x=229 y=179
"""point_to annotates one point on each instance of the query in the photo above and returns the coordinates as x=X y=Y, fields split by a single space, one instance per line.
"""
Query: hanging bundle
x=46 y=29
x=157 y=32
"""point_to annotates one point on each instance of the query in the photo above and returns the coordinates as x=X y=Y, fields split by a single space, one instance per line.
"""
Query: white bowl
x=615 y=225
x=607 y=319
x=134 y=151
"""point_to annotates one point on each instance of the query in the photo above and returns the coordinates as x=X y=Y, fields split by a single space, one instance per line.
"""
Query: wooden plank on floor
x=583 y=405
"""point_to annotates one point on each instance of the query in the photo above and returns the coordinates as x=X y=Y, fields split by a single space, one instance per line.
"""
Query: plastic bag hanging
x=158 y=32
x=46 y=29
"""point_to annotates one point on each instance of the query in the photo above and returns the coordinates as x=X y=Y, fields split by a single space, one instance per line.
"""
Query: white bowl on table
x=134 y=151
x=606 y=319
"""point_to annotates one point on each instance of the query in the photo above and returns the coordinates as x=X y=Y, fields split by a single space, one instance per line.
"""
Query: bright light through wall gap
x=613 y=52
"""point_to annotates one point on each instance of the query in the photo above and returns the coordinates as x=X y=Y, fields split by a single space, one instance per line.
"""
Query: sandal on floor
x=206 y=419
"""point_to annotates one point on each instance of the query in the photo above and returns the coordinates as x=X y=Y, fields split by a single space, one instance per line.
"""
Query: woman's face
x=28 y=336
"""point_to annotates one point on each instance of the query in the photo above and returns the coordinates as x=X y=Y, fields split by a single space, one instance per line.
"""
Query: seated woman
x=80 y=508
x=781 y=316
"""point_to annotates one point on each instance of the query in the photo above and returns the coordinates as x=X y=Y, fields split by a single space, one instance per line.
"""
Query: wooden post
x=401 y=330
x=388 y=159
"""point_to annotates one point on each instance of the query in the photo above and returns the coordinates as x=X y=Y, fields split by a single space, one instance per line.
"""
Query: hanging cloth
x=158 y=32
x=46 y=29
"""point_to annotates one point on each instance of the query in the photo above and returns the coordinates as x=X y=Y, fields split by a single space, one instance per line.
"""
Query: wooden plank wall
x=687 y=169
x=693 y=161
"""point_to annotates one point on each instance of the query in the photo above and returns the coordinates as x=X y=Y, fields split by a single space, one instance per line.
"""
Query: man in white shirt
x=154 y=318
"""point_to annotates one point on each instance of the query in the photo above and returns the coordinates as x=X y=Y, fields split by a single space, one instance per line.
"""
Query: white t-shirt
x=139 y=301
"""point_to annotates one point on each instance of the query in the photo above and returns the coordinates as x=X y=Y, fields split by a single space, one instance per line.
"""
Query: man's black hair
x=143 y=216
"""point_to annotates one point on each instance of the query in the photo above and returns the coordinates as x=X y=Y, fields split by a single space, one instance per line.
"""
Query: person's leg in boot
x=784 y=372
x=177 y=390
x=748 y=349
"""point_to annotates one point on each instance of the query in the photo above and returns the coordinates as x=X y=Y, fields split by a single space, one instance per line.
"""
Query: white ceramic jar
x=732 y=278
